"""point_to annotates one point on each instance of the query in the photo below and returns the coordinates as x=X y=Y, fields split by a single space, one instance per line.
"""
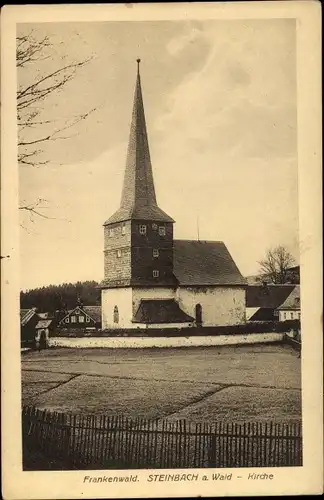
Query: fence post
x=212 y=450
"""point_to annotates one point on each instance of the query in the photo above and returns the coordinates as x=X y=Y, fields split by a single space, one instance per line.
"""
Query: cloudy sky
x=220 y=102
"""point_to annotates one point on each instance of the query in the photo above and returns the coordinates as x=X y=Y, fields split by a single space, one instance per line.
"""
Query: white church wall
x=122 y=298
x=221 y=305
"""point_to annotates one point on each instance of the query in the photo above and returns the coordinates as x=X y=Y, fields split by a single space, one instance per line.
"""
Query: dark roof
x=26 y=315
x=293 y=299
x=94 y=312
x=263 y=314
x=161 y=311
x=267 y=296
x=204 y=263
x=23 y=312
x=139 y=213
x=138 y=199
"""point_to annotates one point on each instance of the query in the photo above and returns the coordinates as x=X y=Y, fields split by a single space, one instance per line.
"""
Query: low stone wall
x=146 y=342
x=204 y=331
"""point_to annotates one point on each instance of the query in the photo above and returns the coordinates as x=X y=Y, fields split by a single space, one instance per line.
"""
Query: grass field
x=256 y=382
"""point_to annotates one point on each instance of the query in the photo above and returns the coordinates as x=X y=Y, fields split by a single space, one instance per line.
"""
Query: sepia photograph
x=171 y=336
x=160 y=250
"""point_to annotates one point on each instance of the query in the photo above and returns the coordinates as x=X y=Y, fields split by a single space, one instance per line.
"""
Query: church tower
x=138 y=237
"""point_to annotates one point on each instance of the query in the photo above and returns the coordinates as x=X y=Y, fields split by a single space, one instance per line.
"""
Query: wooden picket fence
x=63 y=441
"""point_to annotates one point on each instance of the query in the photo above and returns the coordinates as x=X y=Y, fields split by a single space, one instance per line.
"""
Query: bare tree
x=34 y=128
x=275 y=266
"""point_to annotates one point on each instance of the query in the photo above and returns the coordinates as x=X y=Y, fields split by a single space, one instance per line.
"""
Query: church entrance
x=198 y=314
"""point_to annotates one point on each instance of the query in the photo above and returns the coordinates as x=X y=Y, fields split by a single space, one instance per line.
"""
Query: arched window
x=116 y=315
x=198 y=314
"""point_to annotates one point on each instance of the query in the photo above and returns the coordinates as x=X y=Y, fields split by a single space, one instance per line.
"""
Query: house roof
x=161 y=311
x=26 y=315
x=293 y=299
x=23 y=312
x=267 y=296
x=294 y=268
x=43 y=323
x=204 y=263
x=94 y=312
x=138 y=199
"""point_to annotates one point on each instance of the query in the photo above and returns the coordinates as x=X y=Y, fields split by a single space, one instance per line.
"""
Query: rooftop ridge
x=200 y=241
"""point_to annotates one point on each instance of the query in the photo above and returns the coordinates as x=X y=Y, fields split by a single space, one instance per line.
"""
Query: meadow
x=232 y=383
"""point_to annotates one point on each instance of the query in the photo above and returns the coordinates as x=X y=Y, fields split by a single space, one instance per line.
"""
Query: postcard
x=161 y=250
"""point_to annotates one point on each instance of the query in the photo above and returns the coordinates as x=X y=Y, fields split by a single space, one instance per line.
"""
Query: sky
x=221 y=110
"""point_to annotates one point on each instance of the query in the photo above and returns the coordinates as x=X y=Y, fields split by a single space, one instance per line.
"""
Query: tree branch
x=30 y=97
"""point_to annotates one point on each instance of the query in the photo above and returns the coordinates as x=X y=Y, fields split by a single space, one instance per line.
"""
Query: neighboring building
x=43 y=329
x=293 y=277
x=150 y=279
x=35 y=327
x=83 y=317
x=262 y=301
x=290 y=309
x=28 y=320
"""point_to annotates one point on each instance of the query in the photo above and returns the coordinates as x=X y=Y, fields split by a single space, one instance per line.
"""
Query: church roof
x=267 y=296
x=198 y=263
x=138 y=200
x=161 y=311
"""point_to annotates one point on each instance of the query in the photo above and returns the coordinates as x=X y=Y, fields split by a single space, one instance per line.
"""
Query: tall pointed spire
x=138 y=200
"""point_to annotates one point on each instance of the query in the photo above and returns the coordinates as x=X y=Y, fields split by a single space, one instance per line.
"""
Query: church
x=152 y=280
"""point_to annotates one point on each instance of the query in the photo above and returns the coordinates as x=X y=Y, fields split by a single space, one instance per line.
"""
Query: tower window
x=119 y=253
x=142 y=229
x=81 y=319
x=156 y=252
x=88 y=319
x=67 y=320
x=162 y=230
x=123 y=229
x=156 y=273
x=111 y=232
x=73 y=319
